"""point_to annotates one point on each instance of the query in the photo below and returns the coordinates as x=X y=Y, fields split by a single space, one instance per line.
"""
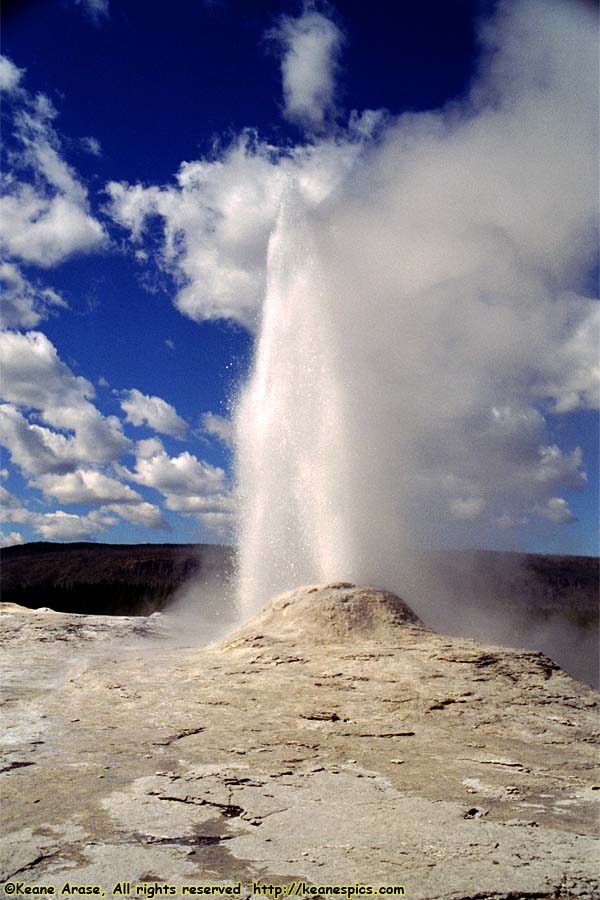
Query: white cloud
x=34 y=376
x=59 y=439
x=184 y=475
x=21 y=304
x=190 y=486
x=159 y=415
x=149 y=447
x=424 y=295
x=8 y=501
x=10 y=540
x=87 y=487
x=44 y=213
x=218 y=219
x=45 y=230
x=198 y=503
x=118 y=502
x=95 y=9
x=91 y=145
x=36 y=449
x=146 y=515
x=35 y=379
x=219 y=426
x=311 y=45
x=556 y=510
x=557 y=468
x=10 y=75
x=62 y=526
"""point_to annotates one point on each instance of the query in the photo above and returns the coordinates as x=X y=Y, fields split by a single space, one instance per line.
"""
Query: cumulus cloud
x=10 y=540
x=44 y=214
x=62 y=526
x=86 y=487
x=145 y=514
x=190 y=486
x=556 y=468
x=311 y=45
x=556 y=510
x=8 y=501
x=116 y=501
x=22 y=305
x=154 y=412
x=36 y=449
x=46 y=230
x=36 y=381
x=10 y=75
x=184 y=475
x=218 y=217
x=218 y=426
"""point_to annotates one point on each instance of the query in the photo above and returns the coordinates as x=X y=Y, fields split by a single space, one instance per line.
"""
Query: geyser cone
x=330 y=613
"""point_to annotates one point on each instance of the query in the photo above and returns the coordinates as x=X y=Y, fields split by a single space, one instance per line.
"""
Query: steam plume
x=422 y=321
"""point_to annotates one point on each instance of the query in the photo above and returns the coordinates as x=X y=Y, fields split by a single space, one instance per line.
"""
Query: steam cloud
x=423 y=319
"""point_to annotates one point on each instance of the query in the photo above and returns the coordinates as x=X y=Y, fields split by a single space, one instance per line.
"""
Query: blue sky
x=146 y=150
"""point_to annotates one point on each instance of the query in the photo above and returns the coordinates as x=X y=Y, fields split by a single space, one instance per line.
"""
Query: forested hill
x=106 y=579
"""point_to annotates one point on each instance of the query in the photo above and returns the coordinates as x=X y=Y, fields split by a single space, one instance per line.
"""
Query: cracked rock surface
x=333 y=739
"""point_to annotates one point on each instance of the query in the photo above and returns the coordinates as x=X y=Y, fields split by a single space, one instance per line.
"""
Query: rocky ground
x=332 y=741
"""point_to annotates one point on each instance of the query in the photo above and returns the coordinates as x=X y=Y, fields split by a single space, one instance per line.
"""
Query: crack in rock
x=16 y=765
x=177 y=737
x=377 y=734
x=321 y=717
x=31 y=865
x=229 y=810
x=185 y=840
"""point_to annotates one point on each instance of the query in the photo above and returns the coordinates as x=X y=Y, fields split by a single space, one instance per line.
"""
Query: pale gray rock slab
x=330 y=742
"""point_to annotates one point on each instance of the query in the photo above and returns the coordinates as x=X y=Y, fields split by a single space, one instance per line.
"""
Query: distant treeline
x=107 y=579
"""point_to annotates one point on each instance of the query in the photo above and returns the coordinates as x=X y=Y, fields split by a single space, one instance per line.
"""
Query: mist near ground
x=544 y=603
x=202 y=611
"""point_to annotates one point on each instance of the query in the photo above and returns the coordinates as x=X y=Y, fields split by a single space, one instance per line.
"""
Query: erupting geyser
x=292 y=453
x=422 y=320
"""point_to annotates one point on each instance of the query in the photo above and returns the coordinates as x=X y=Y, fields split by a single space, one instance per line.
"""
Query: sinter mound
x=326 y=613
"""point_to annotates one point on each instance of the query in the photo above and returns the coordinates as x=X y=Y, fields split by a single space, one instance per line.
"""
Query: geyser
x=292 y=423
x=422 y=322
